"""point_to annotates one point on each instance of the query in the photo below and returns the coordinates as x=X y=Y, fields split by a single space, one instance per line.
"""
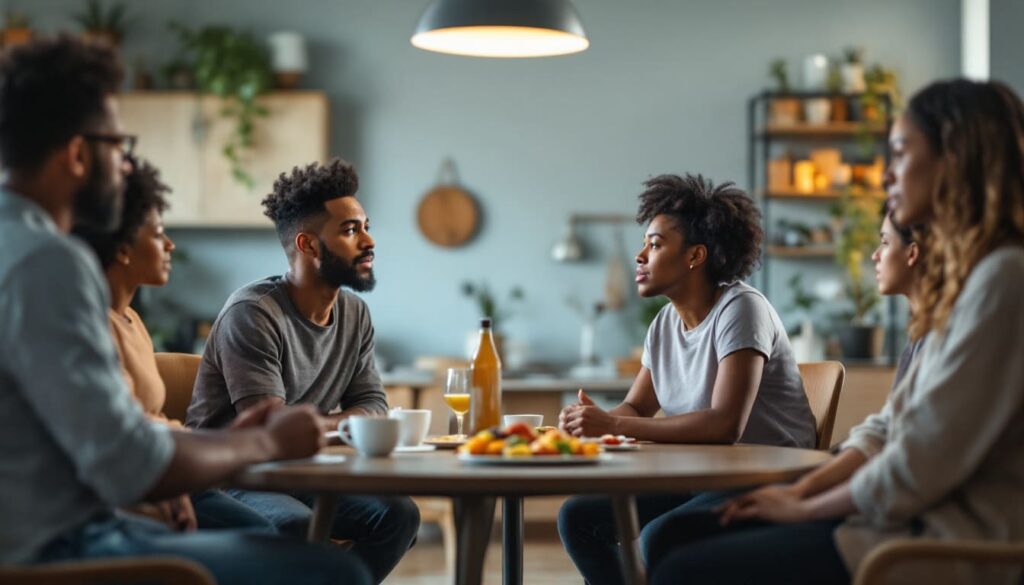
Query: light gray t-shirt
x=261 y=346
x=75 y=443
x=684 y=365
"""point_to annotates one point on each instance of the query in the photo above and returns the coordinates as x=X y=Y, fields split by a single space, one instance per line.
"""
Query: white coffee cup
x=414 y=425
x=533 y=420
x=372 y=436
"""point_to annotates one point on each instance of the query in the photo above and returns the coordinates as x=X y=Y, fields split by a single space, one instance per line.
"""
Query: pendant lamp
x=501 y=28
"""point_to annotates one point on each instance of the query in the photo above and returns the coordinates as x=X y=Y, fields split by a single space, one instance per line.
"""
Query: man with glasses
x=75 y=444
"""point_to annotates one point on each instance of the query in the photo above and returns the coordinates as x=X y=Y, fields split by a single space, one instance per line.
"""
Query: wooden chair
x=823 y=383
x=178 y=371
x=888 y=556
x=154 y=570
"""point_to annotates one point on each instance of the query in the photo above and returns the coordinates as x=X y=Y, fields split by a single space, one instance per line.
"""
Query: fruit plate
x=446 y=441
x=533 y=460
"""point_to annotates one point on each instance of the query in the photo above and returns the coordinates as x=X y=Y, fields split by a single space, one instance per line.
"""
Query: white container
x=815 y=72
x=288 y=52
x=413 y=425
x=817 y=111
x=853 y=77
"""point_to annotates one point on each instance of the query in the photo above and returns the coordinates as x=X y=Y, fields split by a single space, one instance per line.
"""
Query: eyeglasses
x=123 y=142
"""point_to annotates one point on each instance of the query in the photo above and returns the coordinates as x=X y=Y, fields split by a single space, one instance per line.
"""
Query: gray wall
x=662 y=89
x=1006 y=60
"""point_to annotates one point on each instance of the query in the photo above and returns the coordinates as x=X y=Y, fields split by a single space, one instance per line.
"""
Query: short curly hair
x=722 y=218
x=299 y=198
x=143 y=192
x=51 y=90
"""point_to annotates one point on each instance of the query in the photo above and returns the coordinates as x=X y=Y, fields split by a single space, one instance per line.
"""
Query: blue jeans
x=383 y=528
x=694 y=549
x=586 y=525
x=215 y=510
x=234 y=557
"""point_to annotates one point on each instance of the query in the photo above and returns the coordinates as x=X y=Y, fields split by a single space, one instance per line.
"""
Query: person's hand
x=176 y=513
x=585 y=419
x=295 y=432
x=255 y=416
x=182 y=514
x=581 y=399
x=781 y=504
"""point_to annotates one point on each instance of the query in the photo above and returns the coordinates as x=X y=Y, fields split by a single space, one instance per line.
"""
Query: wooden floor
x=544 y=563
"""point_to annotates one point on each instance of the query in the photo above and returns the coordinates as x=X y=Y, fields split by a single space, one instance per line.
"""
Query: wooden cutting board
x=448 y=216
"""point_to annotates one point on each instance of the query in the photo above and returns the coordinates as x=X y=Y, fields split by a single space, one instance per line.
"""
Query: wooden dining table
x=652 y=469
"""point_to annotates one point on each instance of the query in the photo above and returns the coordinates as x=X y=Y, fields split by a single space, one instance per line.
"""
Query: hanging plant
x=232 y=65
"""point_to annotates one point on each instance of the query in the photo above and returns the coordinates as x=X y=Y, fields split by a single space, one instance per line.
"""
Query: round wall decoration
x=448 y=215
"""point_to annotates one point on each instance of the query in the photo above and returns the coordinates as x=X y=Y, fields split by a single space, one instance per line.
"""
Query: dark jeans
x=586 y=525
x=693 y=548
x=383 y=528
x=215 y=510
x=234 y=557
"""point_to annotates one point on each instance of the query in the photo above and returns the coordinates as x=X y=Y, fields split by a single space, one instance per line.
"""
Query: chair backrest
x=178 y=371
x=823 y=383
x=155 y=570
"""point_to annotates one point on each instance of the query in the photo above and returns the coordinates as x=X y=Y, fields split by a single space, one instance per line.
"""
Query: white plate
x=414 y=449
x=533 y=460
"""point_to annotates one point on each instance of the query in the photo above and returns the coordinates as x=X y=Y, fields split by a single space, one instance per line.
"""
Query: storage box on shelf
x=183 y=134
x=819 y=174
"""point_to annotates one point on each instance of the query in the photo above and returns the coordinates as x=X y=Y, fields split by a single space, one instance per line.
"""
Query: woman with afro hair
x=716 y=359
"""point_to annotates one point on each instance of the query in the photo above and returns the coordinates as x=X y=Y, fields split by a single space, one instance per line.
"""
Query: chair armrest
x=883 y=557
x=156 y=570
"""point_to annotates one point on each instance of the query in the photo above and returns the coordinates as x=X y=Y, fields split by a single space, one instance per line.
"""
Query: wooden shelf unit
x=763 y=134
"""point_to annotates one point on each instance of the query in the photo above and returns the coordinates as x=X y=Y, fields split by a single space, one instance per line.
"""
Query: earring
x=691 y=266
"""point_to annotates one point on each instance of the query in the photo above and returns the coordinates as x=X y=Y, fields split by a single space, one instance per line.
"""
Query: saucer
x=414 y=449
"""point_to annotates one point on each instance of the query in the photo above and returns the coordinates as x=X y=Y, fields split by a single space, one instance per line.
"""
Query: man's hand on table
x=294 y=432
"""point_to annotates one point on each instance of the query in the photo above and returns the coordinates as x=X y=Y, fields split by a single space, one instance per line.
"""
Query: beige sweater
x=946 y=453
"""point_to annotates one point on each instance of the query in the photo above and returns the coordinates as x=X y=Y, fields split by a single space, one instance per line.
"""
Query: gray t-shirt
x=261 y=346
x=684 y=365
x=75 y=443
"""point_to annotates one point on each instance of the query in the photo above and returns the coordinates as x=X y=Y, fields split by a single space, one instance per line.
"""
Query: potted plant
x=784 y=109
x=852 y=70
x=487 y=304
x=840 y=106
x=234 y=66
x=856 y=219
x=16 y=29
x=807 y=345
x=102 y=25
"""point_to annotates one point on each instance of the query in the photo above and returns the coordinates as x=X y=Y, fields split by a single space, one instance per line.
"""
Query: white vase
x=815 y=72
x=853 y=77
x=817 y=111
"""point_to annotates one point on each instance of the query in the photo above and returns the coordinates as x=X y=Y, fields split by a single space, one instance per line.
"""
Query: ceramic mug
x=372 y=436
x=414 y=424
x=532 y=420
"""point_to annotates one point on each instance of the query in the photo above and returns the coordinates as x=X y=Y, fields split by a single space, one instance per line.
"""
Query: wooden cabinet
x=183 y=133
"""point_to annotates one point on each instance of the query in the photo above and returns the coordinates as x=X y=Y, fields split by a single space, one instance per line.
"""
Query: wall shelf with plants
x=825 y=145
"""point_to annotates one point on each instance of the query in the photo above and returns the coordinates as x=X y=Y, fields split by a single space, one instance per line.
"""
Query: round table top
x=654 y=468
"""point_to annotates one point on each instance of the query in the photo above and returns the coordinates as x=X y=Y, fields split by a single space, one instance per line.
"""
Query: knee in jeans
x=406 y=513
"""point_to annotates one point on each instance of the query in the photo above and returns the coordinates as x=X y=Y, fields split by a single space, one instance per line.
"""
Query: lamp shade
x=501 y=28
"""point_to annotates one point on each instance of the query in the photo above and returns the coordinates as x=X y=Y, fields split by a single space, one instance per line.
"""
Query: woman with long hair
x=946 y=459
x=136 y=254
x=898 y=266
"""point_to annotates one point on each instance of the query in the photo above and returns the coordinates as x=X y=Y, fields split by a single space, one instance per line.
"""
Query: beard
x=99 y=202
x=337 y=272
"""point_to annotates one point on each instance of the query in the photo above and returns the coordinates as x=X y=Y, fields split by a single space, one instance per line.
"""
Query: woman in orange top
x=139 y=253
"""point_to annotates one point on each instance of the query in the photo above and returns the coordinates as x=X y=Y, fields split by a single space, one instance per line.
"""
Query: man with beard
x=76 y=446
x=301 y=339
